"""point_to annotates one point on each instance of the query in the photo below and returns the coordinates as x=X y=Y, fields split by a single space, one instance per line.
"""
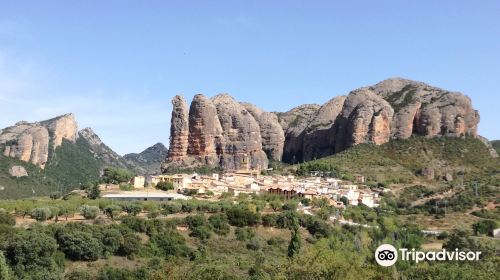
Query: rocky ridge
x=34 y=142
x=222 y=132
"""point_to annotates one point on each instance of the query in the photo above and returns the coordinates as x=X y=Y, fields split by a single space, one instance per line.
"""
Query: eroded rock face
x=205 y=131
x=294 y=122
x=425 y=110
x=18 y=171
x=222 y=130
x=179 y=130
x=318 y=139
x=273 y=136
x=365 y=117
x=242 y=145
x=32 y=142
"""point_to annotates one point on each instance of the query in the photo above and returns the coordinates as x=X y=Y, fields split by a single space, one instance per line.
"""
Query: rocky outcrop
x=318 y=141
x=205 y=131
x=242 y=141
x=425 y=110
x=33 y=142
x=365 y=117
x=273 y=136
x=179 y=130
x=150 y=159
x=294 y=123
x=222 y=131
x=18 y=171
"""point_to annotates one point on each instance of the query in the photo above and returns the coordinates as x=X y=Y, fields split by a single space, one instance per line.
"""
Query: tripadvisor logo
x=387 y=255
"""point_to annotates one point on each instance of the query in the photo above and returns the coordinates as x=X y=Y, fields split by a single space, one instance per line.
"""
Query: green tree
x=89 y=212
x=133 y=209
x=131 y=245
x=113 y=175
x=41 y=214
x=165 y=186
x=295 y=244
x=112 y=211
x=484 y=227
x=94 y=192
x=79 y=246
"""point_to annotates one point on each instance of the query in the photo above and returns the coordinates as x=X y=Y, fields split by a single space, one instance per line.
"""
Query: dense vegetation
x=249 y=237
x=70 y=167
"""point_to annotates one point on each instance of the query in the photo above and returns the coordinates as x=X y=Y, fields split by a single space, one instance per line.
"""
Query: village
x=339 y=193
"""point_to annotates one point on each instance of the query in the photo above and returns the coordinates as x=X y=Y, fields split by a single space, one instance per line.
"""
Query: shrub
x=113 y=175
x=165 y=186
x=195 y=221
x=131 y=245
x=484 y=227
x=172 y=208
x=133 y=209
x=89 y=212
x=269 y=220
x=244 y=234
x=240 y=216
x=201 y=232
x=41 y=214
x=112 y=211
x=171 y=244
x=254 y=244
x=79 y=246
x=7 y=219
x=220 y=224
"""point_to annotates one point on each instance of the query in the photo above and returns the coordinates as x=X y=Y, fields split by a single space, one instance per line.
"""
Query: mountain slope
x=402 y=161
x=496 y=145
x=150 y=159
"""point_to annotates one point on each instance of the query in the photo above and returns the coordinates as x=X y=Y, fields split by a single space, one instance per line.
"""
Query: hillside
x=71 y=165
x=496 y=145
x=150 y=159
x=402 y=161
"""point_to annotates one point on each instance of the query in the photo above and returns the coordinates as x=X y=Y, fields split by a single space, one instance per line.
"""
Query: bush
x=41 y=214
x=201 y=232
x=276 y=241
x=484 y=227
x=113 y=175
x=126 y=187
x=131 y=245
x=254 y=244
x=269 y=220
x=172 y=208
x=220 y=224
x=171 y=244
x=195 y=221
x=241 y=216
x=78 y=274
x=79 y=246
x=165 y=186
x=244 y=234
x=7 y=219
x=133 y=209
x=89 y=212
x=112 y=211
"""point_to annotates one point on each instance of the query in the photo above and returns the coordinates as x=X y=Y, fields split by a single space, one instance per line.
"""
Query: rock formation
x=179 y=130
x=242 y=141
x=294 y=123
x=33 y=142
x=273 y=136
x=18 y=171
x=223 y=132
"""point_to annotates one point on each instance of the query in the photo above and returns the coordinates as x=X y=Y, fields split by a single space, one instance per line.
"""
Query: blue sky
x=117 y=64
